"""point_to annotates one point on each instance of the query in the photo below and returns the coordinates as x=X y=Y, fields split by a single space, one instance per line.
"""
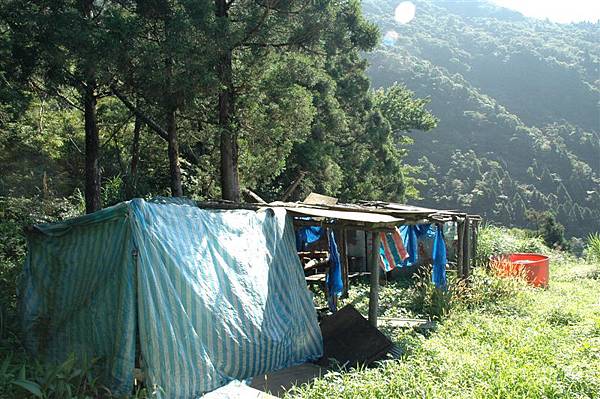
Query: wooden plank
x=315 y=278
x=319 y=199
x=374 y=280
x=419 y=324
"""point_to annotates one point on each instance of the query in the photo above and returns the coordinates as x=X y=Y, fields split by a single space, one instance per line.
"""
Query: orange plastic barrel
x=535 y=267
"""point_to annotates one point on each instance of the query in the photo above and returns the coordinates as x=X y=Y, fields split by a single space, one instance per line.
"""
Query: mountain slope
x=517 y=99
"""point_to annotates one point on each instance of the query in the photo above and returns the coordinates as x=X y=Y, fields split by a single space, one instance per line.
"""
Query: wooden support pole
x=467 y=248
x=460 y=229
x=475 y=232
x=374 y=279
x=345 y=266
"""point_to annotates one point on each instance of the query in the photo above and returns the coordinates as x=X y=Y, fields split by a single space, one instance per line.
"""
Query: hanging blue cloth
x=335 y=284
x=311 y=234
x=438 y=275
x=308 y=235
x=410 y=238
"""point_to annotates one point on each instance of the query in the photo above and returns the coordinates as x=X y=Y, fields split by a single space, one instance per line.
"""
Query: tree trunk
x=171 y=106
x=92 y=139
x=230 y=185
x=135 y=158
x=92 y=149
x=174 y=166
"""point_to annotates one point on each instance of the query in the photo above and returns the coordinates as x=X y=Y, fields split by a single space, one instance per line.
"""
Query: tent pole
x=374 y=278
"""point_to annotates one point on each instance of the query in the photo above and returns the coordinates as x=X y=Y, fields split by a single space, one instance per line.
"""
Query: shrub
x=560 y=317
x=488 y=289
x=430 y=301
x=495 y=241
x=553 y=232
x=68 y=380
x=15 y=215
x=593 y=248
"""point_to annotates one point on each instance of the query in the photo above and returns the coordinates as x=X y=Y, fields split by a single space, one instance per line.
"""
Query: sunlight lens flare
x=405 y=12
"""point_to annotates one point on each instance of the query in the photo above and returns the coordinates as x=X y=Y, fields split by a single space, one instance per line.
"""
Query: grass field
x=498 y=339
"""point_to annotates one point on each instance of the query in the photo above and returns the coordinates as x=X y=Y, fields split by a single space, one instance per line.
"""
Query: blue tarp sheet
x=410 y=236
x=305 y=236
x=216 y=295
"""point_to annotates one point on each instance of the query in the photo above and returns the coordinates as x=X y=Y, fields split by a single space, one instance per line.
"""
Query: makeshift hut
x=199 y=294
x=380 y=219
x=197 y=297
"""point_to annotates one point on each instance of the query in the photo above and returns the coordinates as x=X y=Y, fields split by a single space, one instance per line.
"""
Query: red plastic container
x=535 y=267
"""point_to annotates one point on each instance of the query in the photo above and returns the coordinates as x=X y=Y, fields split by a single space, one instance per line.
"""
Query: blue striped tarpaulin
x=218 y=295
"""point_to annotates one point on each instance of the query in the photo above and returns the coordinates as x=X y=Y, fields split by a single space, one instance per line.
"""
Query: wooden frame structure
x=374 y=216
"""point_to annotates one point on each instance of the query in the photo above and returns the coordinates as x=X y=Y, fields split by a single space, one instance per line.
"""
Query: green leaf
x=22 y=373
x=30 y=386
x=5 y=364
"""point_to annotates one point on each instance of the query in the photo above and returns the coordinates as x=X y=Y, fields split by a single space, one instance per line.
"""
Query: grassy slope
x=526 y=342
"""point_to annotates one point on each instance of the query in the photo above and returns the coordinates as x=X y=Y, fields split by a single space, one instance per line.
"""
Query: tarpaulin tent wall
x=215 y=294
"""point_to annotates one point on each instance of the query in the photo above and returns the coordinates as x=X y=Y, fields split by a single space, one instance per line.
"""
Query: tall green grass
x=500 y=339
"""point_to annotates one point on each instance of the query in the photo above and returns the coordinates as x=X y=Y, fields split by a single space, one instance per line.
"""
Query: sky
x=562 y=11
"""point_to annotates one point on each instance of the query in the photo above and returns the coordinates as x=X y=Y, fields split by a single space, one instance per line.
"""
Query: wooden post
x=374 y=278
x=340 y=234
x=344 y=255
x=460 y=228
x=475 y=230
x=467 y=248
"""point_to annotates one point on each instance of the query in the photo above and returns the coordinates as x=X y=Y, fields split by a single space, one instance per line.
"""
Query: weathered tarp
x=216 y=295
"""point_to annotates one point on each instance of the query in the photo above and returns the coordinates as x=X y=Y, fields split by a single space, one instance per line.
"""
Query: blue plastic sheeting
x=308 y=235
x=216 y=295
x=335 y=284
x=311 y=234
x=78 y=294
x=438 y=274
x=410 y=237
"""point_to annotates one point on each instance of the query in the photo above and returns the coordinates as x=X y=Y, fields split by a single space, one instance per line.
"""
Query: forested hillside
x=517 y=101
x=105 y=101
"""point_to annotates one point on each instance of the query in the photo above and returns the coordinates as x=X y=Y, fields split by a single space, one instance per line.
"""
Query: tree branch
x=116 y=131
x=140 y=114
x=256 y=27
x=286 y=44
x=290 y=190
x=55 y=92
